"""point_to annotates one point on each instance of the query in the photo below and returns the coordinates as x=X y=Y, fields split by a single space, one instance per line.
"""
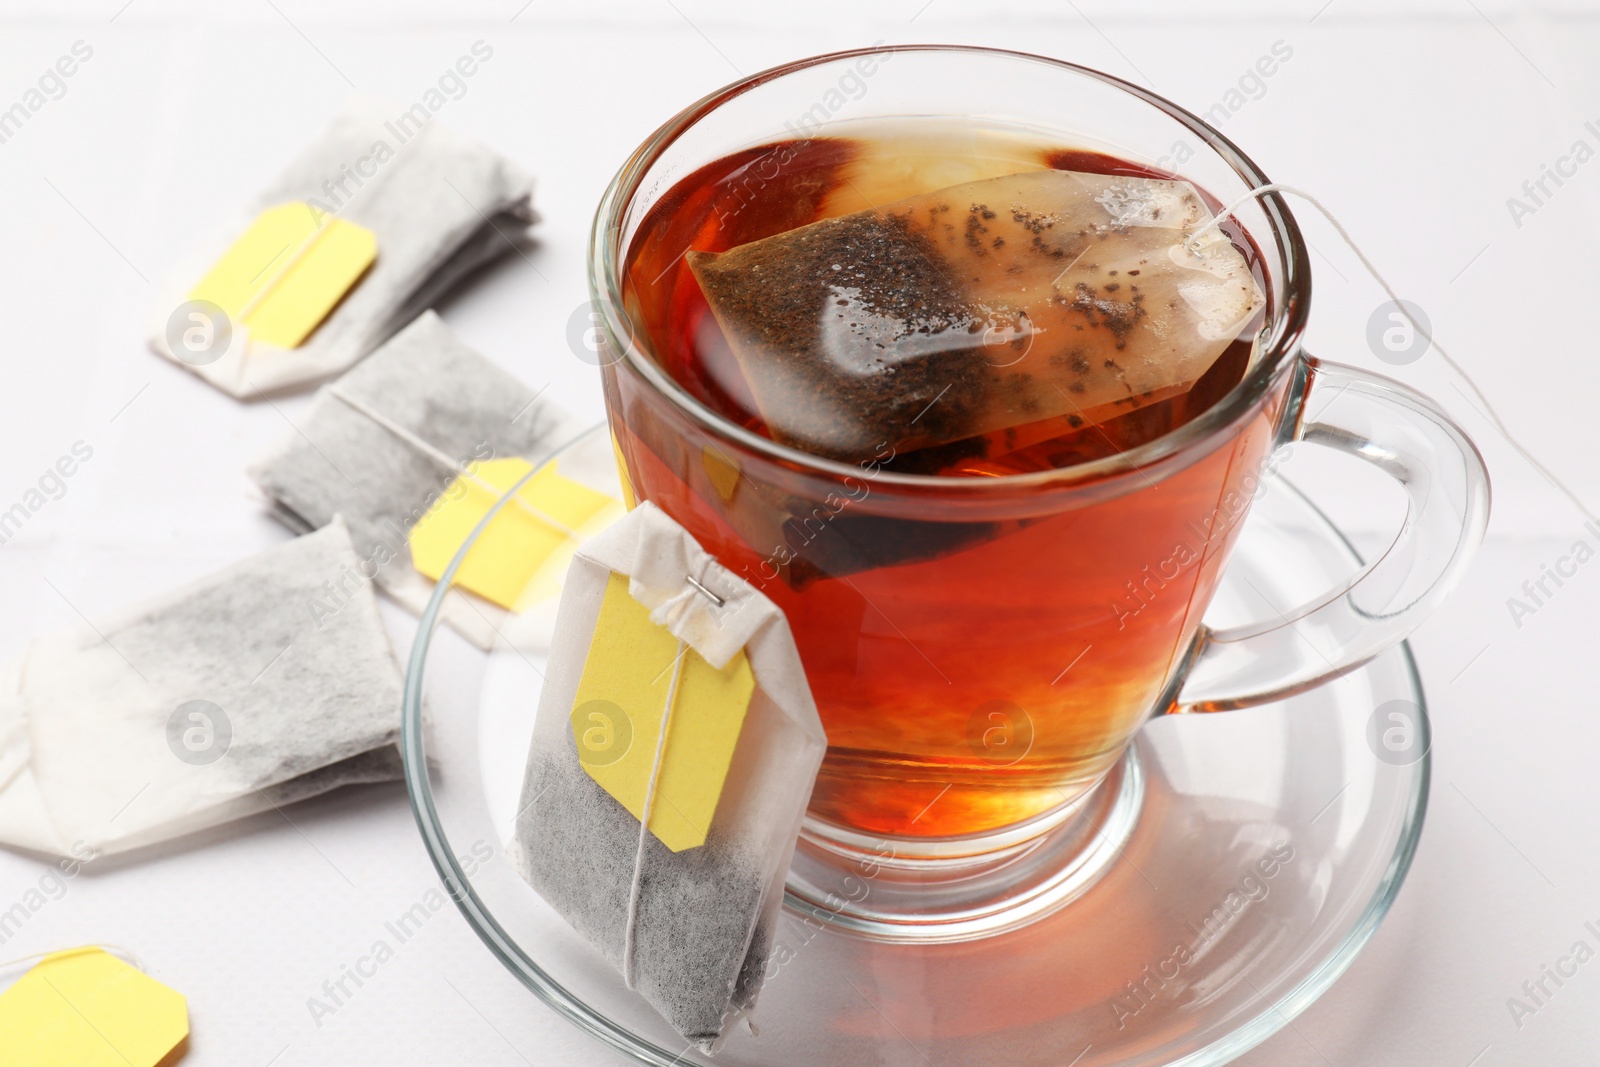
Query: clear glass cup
x=977 y=694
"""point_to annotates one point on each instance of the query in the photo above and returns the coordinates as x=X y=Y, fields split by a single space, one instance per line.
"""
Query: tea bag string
x=1193 y=245
x=692 y=587
x=440 y=457
x=125 y=955
x=300 y=252
x=628 y=941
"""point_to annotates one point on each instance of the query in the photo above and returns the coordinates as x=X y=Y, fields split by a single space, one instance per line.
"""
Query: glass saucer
x=1265 y=847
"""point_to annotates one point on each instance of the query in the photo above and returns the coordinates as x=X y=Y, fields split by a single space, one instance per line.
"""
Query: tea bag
x=200 y=706
x=673 y=755
x=977 y=309
x=392 y=440
x=435 y=204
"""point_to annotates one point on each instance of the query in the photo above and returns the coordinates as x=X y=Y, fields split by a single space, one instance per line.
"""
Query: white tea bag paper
x=201 y=706
x=673 y=756
x=409 y=430
x=379 y=216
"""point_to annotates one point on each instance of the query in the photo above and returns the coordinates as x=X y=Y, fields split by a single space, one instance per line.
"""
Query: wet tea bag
x=978 y=309
x=673 y=755
x=412 y=446
x=380 y=215
x=200 y=706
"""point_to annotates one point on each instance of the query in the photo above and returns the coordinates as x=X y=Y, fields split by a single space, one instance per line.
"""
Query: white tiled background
x=1415 y=122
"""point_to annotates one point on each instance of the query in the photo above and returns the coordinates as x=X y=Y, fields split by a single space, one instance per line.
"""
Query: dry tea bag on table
x=673 y=755
x=412 y=447
x=979 y=309
x=367 y=227
x=199 y=706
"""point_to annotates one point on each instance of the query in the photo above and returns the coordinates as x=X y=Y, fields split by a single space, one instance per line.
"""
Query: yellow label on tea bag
x=86 y=1008
x=517 y=558
x=620 y=706
x=287 y=271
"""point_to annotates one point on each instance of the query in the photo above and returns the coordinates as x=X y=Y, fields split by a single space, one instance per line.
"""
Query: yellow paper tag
x=617 y=716
x=86 y=1008
x=287 y=271
x=521 y=554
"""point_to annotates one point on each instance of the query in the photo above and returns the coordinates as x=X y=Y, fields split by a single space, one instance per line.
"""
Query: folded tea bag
x=979 y=308
x=202 y=705
x=673 y=755
x=419 y=434
x=367 y=227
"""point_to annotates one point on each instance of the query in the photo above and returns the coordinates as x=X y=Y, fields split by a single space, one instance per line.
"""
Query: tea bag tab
x=640 y=679
x=86 y=1008
x=268 y=682
x=521 y=553
x=438 y=205
x=977 y=309
x=287 y=271
x=391 y=446
x=671 y=683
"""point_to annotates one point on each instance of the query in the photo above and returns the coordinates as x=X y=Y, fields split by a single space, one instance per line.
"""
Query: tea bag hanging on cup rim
x=674 y=751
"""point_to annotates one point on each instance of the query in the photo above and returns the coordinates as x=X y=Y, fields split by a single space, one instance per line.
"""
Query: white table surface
x=1414 y=121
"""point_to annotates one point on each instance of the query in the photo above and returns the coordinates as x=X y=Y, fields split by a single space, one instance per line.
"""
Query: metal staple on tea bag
x=709 y=595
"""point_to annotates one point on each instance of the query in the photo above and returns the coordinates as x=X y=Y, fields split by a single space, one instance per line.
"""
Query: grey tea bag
x=440 y=205
x=380 y=445
x=689 y=929
x=978 y=309
x=199 y=706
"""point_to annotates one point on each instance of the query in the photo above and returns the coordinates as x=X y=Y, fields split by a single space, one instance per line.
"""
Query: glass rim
x=1278 y=349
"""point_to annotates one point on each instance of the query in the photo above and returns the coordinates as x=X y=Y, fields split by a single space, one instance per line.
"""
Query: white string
x=671 y=609
x=116 y=950
x=300 y=253
x=1488 y=410
x=644 y=819
x=439 y=457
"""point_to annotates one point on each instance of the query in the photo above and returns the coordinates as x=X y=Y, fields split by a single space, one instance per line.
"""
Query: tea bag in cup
x=979 y=309
x=199 y=706
x=370 y=224
x=417 y=441
x=674 y=752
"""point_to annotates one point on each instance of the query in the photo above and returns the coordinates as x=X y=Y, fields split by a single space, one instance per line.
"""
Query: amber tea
x=932 y=298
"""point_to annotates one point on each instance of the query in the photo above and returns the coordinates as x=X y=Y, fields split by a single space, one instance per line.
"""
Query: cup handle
x=1408 y=437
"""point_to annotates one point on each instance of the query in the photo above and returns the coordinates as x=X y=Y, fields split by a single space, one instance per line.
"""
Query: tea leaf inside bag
x=978 y=309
